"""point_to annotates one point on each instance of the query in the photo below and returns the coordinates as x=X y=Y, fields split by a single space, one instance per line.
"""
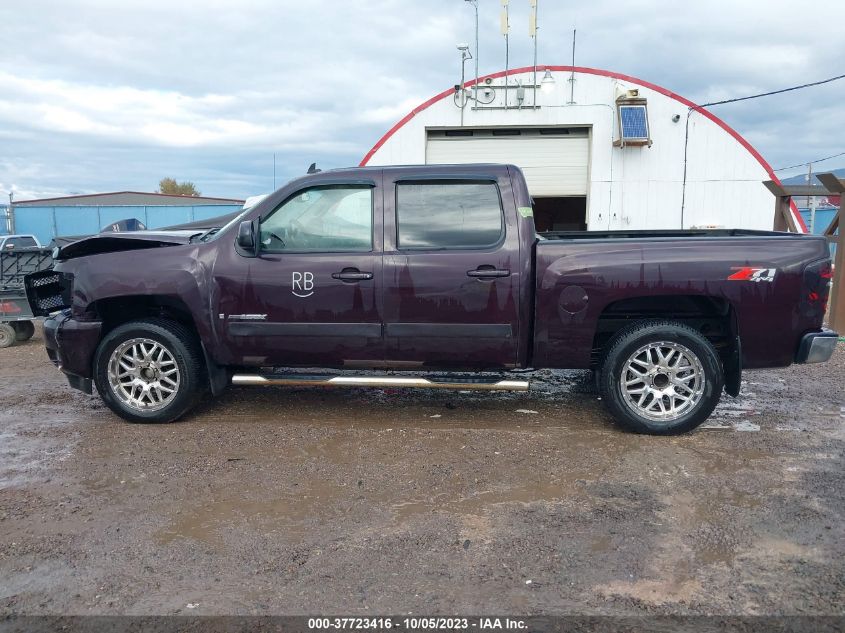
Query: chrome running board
x=474 y=384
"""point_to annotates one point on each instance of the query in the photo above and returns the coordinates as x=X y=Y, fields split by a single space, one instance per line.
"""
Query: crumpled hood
x=115 y=242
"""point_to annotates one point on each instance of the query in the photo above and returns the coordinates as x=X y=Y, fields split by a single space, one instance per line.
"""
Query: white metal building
x=600 y=150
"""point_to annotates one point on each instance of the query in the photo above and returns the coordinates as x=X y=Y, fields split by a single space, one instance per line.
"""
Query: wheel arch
x=715 y=317
x=116 y=310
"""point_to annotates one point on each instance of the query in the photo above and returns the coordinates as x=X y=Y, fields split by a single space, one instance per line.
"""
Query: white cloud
x=102 y=95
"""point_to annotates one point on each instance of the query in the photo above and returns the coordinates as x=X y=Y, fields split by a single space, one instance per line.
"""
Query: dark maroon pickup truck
x=435 y=270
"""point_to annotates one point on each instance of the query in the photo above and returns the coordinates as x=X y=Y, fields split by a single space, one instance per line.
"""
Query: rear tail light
x=816 y=288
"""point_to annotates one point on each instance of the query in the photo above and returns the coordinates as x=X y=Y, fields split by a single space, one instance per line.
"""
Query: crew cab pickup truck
x=435 y=276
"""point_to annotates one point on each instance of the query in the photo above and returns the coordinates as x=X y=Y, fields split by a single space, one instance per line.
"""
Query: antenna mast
x=572 y=74
x=532 y=33
x=474 y=3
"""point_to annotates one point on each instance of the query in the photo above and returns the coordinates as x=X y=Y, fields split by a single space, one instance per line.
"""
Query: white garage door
x=555 y=161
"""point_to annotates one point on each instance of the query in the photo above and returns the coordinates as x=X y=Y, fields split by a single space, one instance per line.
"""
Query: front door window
x=330 y=219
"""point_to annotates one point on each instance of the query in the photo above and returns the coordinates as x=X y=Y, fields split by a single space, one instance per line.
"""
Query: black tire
x=24 y=330
x=689 y=346
x=183 y=347
x=8 y=336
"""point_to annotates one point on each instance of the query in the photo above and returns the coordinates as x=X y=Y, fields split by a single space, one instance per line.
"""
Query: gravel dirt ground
x=275 y=501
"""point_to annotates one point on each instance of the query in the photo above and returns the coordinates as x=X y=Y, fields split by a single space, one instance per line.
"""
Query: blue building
x=87 y=214
x=824 y=216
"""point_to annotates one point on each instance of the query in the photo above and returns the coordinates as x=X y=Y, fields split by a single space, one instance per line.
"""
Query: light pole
x=10 y=222
x=465 y=55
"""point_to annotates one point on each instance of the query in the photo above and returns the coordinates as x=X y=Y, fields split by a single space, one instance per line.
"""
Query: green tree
x=170 y=186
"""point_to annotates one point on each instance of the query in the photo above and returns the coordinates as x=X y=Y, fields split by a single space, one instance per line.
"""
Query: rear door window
x=448 y=215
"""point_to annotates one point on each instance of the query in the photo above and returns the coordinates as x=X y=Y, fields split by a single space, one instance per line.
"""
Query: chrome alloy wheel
x=662 y=381
x=143 y=374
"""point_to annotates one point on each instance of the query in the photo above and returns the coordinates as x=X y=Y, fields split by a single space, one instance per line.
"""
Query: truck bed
x=755 y=275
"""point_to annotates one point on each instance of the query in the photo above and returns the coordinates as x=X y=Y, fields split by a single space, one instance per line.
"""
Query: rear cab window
x=454 y=215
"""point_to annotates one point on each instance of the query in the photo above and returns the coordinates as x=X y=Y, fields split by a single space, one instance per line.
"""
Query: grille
x=51 y=303
x=48 y=291
x=52 y=279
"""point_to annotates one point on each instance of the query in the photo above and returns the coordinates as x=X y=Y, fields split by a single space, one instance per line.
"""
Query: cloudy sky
x=100 y=95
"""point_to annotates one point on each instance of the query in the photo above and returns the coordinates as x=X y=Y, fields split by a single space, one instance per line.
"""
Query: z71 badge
x=750 y=273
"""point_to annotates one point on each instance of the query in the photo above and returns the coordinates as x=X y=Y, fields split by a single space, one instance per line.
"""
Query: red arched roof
x=603 y=73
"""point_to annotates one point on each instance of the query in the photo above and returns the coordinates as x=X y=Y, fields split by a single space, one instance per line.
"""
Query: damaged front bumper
x=817 y=347
x=71 y=345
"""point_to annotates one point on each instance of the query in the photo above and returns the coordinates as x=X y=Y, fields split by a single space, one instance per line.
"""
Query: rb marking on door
x=302 y=284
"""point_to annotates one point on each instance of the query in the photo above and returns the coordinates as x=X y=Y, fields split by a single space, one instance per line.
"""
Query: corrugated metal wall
x=704 y=178
x=48 y=222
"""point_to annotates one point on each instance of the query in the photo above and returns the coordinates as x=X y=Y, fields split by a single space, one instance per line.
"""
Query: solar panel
x=633 y=121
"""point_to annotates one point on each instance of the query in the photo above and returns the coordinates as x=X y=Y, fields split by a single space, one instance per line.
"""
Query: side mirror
x=247 y=241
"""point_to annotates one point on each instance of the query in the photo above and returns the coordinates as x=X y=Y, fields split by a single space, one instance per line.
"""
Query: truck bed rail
x=662 y=234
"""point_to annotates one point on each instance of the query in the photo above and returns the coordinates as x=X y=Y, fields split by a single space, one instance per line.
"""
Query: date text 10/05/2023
x=419 y=623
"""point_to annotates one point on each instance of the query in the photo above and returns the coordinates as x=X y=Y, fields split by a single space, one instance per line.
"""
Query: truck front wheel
x=149 y=370
x=661 y=377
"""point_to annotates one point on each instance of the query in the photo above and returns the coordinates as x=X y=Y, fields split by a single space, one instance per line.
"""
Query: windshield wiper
x=205 y=235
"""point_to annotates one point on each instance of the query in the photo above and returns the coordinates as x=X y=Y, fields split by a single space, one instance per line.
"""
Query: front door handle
x=352 y=274
x=487 y=272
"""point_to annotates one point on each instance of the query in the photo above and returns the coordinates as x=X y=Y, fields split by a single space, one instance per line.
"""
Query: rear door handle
x=352 y=274
x=487 y=273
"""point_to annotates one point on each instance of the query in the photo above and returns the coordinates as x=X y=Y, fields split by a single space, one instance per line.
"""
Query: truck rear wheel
x=7 y=335
x=149 y=370
x=24 y=330
x=661 y=377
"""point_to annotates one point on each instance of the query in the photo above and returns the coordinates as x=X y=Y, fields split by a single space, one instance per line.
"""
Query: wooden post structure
x=837 y=293
x=784 y=221
x=783 y=213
